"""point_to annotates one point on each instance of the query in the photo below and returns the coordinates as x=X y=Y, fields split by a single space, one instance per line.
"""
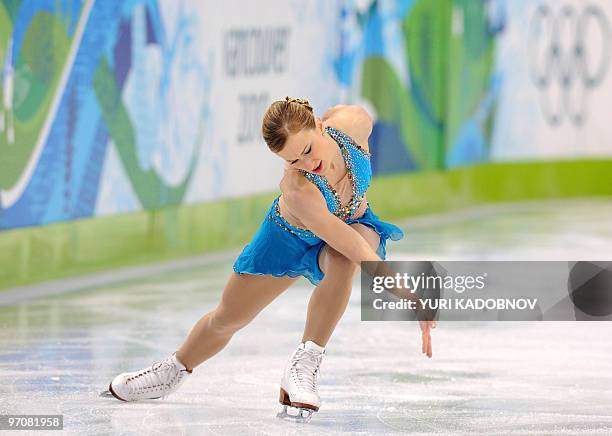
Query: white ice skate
x=157 y=381
x=299 y=383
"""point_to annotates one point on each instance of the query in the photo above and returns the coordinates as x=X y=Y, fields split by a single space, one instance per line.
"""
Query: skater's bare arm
x=354 y=120
x=329 y=113
x=307 y=204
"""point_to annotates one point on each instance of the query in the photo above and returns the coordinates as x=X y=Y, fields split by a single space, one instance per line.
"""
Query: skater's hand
x=426 y=327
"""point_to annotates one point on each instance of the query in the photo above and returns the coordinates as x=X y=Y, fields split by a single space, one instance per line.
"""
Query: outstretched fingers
x=426 y=347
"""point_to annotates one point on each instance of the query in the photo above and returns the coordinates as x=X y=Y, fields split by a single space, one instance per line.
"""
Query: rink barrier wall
x=78 y=247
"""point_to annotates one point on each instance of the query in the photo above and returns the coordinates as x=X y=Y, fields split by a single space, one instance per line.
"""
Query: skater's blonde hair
x=286 y=117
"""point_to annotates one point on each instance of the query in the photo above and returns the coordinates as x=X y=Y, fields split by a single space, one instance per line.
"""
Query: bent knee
x=333 y=261
x=225 y=322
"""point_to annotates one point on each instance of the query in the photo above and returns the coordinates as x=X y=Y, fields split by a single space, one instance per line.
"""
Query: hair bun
x=301 y=101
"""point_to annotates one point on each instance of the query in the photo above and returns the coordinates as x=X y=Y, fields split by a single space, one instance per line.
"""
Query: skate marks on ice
x=106 y=394
x=497 y=416
x=523 y=378
x=58 y=353
x=568 y=229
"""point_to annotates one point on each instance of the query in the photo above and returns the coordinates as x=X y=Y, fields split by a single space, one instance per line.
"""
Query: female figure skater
x=321 y=227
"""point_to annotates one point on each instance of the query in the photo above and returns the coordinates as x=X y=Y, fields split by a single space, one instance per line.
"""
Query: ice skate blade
x=109 y=394
x=302 y=415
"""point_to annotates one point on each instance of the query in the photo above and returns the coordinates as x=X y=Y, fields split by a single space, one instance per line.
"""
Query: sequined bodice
x=359 y=175
x=359 y=172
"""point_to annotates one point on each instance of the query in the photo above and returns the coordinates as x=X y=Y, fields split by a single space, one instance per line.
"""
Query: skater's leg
x=329 y=300
x=327 y=304
x=244 y=296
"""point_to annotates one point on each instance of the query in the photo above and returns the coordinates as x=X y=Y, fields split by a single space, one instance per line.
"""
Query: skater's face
x=308 y=150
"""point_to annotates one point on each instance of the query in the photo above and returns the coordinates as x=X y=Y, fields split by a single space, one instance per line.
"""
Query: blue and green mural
x=80 y=76
x=107 y=107
x=426 y=67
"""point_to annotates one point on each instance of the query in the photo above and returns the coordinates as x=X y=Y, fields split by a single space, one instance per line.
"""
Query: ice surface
x=58 y=353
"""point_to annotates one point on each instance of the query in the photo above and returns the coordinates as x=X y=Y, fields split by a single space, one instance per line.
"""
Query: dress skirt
x=281 y=249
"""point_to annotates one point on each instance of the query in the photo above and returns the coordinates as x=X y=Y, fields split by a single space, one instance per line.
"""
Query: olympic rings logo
x=568 y=55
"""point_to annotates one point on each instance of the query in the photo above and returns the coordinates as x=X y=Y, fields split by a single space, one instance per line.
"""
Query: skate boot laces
x=159 y=376
x=305 y=369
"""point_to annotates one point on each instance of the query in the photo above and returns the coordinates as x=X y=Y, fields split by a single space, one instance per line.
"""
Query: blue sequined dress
x=282 y=249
